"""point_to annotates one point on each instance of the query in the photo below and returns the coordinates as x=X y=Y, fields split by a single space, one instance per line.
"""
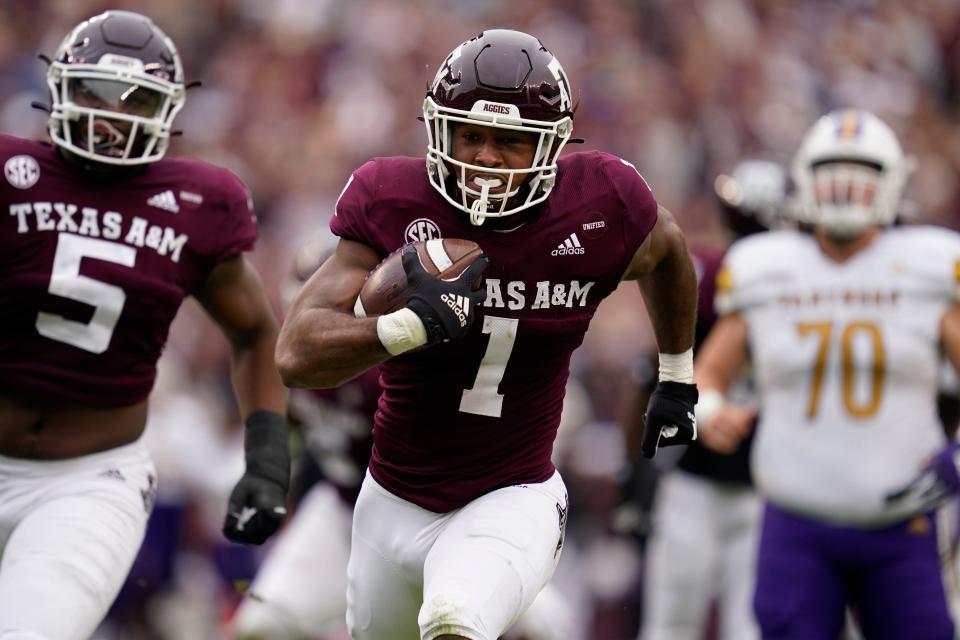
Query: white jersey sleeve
x=755 y=269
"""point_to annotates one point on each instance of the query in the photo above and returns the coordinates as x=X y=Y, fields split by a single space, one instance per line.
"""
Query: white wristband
x=401 y=331
x=677 y=367
x=708 y=404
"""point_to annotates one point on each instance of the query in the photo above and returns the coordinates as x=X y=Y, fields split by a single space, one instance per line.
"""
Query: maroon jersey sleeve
x=350 y=216
x=237 y=228
x=639 y=203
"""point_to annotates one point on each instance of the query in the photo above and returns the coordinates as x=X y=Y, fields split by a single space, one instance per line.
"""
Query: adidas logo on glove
x=459 y=305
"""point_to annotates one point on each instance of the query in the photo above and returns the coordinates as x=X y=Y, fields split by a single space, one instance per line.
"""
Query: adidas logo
x=165 y=200
x=459 y=305
x=569 y=247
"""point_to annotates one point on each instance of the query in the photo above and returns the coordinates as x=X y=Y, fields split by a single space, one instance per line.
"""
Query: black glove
x=669 y=419
x=446 y=307
x=258 y=503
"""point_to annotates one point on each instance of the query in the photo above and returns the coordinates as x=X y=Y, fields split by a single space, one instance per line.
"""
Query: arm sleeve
x=238 y=228
x=740 y=282
x=349 y=220
x=639 y=203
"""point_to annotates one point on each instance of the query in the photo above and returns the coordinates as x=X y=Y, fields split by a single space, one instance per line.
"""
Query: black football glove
x=258 y=503
x=669 y=419
x=446 y=307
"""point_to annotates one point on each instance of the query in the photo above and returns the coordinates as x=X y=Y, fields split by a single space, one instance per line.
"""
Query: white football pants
x=301 y=589
x=416 y=575
x=703 y=548
x=69 y=532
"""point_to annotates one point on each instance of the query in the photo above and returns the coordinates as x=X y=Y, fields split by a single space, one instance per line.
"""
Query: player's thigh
x=682 y=558
x=902 y=592
x=390 y=541
x=492 y=559
x=799 y=594
x=69 y=553
x=300 y=590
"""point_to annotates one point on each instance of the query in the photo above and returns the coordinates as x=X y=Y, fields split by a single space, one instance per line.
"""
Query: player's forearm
x=321 y=348
x=670 y=294
x=255 y=379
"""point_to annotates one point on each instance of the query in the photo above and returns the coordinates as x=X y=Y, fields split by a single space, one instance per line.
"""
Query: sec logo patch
x=421 y=230
x=22 y=171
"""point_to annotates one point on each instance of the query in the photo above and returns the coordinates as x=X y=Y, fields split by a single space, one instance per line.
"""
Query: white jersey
x=846 y=360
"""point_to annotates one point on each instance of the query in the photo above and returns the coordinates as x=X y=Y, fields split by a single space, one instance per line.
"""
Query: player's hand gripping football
x=446 y=307
x=258 y=503
x=669 y=419
x=935 y=484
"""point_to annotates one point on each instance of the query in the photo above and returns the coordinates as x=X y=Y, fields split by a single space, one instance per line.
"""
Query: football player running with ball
x=846 y=326
x=101 y=241
x=460 y=519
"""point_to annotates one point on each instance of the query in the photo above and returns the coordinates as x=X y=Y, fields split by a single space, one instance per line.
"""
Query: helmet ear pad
x=116 y=84
x=505 y=79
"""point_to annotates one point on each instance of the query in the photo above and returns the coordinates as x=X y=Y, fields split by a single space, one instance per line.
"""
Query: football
x=385 y=289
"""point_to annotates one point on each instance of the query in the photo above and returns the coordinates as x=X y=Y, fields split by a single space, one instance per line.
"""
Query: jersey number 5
x=106 y=299
x=848 y=369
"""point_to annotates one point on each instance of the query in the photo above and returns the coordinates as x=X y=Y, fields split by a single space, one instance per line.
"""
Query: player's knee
x=258 y=620
x=447 y=617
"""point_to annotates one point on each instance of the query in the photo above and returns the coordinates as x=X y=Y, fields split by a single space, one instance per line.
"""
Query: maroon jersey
x=337 y=429
x=461 y=419
x=92 y=273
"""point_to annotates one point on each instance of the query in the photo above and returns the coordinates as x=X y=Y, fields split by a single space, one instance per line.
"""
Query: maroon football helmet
x=116 y=84
x=504 y=79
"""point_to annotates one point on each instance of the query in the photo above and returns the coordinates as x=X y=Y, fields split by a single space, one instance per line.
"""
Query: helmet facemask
x=848 y=198
x=521 y=188
x=116 y=109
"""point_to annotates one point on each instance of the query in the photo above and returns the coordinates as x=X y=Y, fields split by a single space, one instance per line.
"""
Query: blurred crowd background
x=297 y=93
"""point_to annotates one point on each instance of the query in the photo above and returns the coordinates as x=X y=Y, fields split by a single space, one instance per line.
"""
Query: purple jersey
x=461 y=419
x=93 y=273
x=337 y=429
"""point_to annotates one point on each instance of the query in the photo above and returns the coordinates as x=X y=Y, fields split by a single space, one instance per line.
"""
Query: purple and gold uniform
x=459 y=420
x=92 y=274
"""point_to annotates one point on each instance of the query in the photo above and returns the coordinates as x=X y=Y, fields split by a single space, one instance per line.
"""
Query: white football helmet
x=849 y=173
x=116 y=84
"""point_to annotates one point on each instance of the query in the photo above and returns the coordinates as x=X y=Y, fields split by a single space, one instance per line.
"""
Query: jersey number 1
x=106 y=299
x=484 y=398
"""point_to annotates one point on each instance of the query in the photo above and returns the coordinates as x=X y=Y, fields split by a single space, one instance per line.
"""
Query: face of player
x=492 y=148
x=110 y=134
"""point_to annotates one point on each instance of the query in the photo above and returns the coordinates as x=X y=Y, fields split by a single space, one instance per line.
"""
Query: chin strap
x=478 y=210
